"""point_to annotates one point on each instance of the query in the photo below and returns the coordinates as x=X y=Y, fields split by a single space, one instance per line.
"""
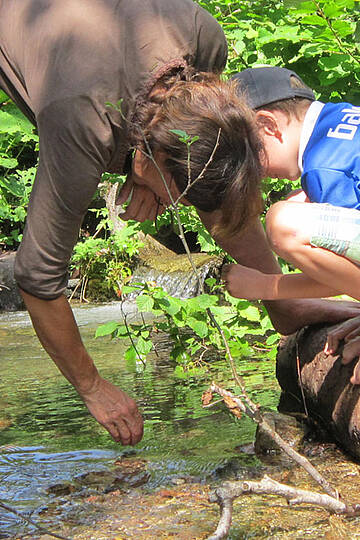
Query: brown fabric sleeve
x=75 y=147
x=211 y=50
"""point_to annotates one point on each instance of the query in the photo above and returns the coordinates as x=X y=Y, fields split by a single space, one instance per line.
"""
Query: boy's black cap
x=265 y=85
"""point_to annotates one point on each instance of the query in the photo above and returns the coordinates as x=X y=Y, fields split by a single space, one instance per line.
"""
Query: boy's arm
x=243 y=282
x=252 y=250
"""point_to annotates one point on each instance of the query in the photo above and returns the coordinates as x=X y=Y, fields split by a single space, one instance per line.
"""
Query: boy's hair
x=222 y=168
x=274 y=88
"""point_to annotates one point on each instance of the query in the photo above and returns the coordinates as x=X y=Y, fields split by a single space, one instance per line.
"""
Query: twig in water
x=298 y=367
x=31 y=522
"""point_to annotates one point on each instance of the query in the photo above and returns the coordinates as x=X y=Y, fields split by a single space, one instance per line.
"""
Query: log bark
x=329 y=396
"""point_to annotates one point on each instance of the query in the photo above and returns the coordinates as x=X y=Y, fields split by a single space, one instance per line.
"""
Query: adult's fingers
x=341 y=332
x=135 y=426
x=116 y=411
x=142 y=205
x=125 y=191
x=126 y=428
x=352 y=334
x=351 y=350
x=355 y=379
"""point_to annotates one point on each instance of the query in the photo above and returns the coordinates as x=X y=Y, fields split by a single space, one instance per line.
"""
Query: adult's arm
x=250 y=248
x=75 y=146
x=57 y=331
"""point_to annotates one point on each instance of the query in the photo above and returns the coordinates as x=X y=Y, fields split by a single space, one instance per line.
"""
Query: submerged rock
x=329 y=396
x=289 y=428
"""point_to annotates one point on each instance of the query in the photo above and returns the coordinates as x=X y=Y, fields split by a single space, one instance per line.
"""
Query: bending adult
x=62 y=61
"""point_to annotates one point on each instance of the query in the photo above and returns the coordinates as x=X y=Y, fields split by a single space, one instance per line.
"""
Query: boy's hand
x=243 y=282
x=349 y=331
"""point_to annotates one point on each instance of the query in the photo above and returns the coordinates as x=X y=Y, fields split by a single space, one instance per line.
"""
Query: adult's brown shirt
x=62 y=62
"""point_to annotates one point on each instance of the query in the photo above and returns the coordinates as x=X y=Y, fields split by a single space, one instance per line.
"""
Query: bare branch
x=225 y=496
x=202 y=173
x=298 y=458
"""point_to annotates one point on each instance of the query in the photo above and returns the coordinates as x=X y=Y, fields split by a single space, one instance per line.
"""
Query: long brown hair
x=224 y=162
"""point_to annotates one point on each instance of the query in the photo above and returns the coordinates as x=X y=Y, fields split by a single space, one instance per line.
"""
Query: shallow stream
x=47 y=436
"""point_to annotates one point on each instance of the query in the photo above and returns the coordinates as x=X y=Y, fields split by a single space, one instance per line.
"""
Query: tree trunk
x=329 y=396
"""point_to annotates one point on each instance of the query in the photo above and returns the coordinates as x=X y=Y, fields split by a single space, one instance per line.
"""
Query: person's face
x=281 y=138
x=145 y=173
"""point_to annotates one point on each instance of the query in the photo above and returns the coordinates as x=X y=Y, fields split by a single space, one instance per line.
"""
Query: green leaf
x=8 y=163
x=144 y=302
x=106 y=329
x=357 y=32
x=143 y=346
x=183 y=136
x=292 y=3
x=122 y=331
x=205 y=301
x=127 y=289
x=251 y=313
x=170 y=305
x=180 y=355
x=3 y=97
x=130 y=354
x=179 y=373
x=271 y=340
x=314 y=19
x=199 y=327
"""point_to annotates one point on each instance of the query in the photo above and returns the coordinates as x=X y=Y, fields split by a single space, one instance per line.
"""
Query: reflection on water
x=47 y=435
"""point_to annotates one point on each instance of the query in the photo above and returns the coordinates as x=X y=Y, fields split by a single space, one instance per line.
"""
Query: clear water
x=47 y=435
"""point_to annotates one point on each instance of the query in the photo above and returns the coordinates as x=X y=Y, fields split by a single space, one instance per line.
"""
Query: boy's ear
x=268 y=124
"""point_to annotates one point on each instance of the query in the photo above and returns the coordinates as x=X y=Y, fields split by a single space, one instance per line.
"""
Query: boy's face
x=281 y=138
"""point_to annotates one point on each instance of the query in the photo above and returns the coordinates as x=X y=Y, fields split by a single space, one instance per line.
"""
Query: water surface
x=47 y=435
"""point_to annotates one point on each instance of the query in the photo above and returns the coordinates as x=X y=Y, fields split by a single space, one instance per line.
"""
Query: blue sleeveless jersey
x=331 y=159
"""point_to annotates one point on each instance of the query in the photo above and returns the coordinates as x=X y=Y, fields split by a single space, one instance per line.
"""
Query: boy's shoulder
x=335 y=138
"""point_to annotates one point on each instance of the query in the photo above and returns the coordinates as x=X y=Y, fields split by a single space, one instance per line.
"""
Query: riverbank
x=183 y=511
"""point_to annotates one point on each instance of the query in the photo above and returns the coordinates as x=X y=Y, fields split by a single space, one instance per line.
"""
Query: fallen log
x=321 y=385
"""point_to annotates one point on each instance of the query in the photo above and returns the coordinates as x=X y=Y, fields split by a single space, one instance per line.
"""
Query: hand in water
x=115 y=410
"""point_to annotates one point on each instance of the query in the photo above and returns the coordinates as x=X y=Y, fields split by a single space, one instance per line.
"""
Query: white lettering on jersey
x=348 y=130
x=342 y=131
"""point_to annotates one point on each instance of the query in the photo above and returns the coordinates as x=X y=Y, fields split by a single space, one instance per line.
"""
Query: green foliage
x=105 y=264
x=17 y=170
x=193 y=336
x=319 y=39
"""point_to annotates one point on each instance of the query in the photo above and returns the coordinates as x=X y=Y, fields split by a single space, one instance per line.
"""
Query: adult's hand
x=114 y=410
x=349 y=332
x=56 y=328
x=142 y=204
